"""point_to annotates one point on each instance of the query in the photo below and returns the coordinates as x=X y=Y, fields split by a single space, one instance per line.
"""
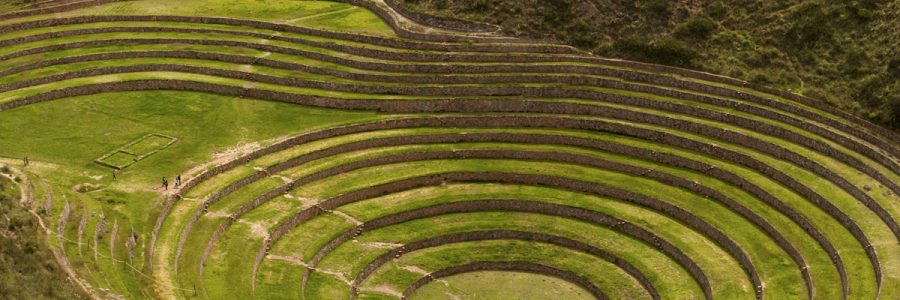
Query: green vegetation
x=841 y=52
x=644 y=181
x=517 y=286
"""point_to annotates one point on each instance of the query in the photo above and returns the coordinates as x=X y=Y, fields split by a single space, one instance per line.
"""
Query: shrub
x=892 y=111
x=667 y=51
x=717 y=10
x=893 y=68
x=659 y=8
x=811 y=25
x=695 y=29
x=758 y=77
x=858 y=62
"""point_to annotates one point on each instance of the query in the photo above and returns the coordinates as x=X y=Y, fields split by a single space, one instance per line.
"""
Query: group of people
x=165 y=182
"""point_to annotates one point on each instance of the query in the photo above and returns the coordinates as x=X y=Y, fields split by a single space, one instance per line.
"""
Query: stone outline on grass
x=137 y=157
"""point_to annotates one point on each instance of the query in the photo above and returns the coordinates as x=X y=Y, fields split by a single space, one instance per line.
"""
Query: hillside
x=26 y=262
x=285 y=149
x=843 y=52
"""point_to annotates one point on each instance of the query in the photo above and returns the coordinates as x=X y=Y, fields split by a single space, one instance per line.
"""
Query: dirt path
x=321 y=14
x=383 y=289
x=347 y=217
x=299 y=262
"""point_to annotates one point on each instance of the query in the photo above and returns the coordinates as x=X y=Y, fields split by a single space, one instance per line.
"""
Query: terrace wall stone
x=552 y=181
x=655 y=136
x=575 y=213
x=615 y=148
x=645 y=77
x=481 y=122
x=493 y=58
x=569 y=108
x=772 y=201
x=381 y=41
x=650 y=67
x=483 y=235
x=656 y=79
x=574 y=80
x=553 y=91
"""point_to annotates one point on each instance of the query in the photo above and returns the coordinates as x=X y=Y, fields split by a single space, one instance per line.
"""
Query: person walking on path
x=165 y=183
x=25 y=160
x=178 y=181
x=114 y=174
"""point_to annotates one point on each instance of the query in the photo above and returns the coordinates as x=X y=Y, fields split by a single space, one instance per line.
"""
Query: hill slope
x=842 y=52
x=27 y=265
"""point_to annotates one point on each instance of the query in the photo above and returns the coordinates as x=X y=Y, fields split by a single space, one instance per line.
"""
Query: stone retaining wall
x=486 y=235
x=577 y=80
x=510 y=106
x=655 y=68
x=482 y=106
x=655 y=79
x=555 y=92
x=381 y=41
x=645 y=77
x=552 y=181
x=575 y=213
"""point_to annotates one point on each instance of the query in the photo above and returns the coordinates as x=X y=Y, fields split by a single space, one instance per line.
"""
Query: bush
x=892 y=111
x=660 y=8
x=893 y=69
x=766 y=56
x=695 y=29
x=717 y=10
x=667 y=51
x=811 y=25
x=758 y=77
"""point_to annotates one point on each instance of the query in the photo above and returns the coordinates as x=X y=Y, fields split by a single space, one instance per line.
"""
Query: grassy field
x=519 y=286
x=643 y=181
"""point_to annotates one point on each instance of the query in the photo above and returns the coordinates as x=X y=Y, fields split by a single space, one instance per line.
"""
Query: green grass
x=63 y=138
x=406 y=170
x=374 y=208
x=604 y=90
x=187 y=35
x=615 y=284
x=119 y=159
x=359 y=20
x=516 y=285
x=149 y=144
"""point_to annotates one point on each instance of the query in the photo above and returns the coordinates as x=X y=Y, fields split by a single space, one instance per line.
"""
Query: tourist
x=165 y=183
x=178 y=181
x=25 y=160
